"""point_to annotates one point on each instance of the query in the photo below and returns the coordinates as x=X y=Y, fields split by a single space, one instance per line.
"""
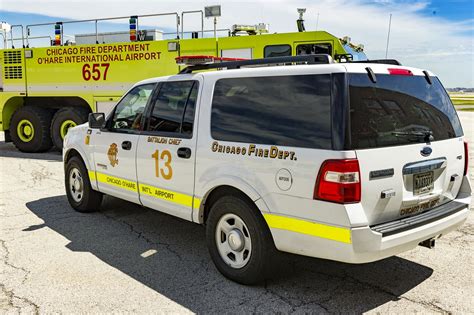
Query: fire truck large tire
x=29 y=129
x=239 y=240
x=64 y=119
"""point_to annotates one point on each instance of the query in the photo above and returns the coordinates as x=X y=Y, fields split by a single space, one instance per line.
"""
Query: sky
x=436 y=35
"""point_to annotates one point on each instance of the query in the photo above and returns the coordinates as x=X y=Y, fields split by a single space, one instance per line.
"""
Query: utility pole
x=388 y=35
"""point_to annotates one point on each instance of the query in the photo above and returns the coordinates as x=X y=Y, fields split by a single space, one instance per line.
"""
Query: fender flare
x=82 y=154
x=234 y=182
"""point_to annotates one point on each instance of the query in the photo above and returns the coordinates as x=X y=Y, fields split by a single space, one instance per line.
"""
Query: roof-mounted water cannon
x=300 y=21
x=359 y=48
x=345 y=40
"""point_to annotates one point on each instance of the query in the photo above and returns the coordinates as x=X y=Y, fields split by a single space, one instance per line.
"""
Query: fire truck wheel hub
x=25 y=130
x=65 y=126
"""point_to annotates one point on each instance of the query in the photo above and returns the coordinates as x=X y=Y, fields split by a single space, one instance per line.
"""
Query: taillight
x=466 y=158
x=398 y=71
x=338 y=181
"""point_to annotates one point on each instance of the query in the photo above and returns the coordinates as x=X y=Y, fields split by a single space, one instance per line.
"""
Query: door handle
x=184 y=153
x=126 y=145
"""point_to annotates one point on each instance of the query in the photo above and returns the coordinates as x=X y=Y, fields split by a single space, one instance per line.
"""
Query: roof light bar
x=202 y=60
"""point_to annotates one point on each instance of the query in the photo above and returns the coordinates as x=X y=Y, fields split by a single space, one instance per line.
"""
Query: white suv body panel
x=298 y=223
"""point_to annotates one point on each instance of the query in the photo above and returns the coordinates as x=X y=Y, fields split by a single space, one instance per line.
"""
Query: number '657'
x=95 y=71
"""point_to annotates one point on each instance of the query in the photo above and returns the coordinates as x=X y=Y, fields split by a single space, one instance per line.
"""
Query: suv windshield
x=398 y=110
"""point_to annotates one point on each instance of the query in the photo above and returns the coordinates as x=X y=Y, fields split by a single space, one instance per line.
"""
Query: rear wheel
x=63 y=120
x=239 y=240
x=29 y=129
x=79 y=192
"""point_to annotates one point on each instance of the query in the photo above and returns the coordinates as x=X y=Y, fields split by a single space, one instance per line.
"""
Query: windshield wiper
x=427 y=135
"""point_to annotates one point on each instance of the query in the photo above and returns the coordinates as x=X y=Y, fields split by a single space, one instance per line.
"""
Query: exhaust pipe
x=429 y=243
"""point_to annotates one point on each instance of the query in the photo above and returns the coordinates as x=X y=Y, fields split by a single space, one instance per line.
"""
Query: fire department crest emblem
x=112 y=154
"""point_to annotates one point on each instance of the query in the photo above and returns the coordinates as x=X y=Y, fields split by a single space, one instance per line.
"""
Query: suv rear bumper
x=368 y=244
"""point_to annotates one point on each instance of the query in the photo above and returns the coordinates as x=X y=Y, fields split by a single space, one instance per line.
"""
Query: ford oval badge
x=426 y=151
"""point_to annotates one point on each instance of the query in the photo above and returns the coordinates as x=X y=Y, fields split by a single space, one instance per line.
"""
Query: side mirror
x=96 y=120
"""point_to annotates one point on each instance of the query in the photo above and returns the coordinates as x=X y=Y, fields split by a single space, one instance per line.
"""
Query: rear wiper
x=426 y=135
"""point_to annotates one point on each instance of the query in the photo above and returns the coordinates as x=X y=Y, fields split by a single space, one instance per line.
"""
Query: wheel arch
x=227 y=186
x=72 y=152
x=9 y=107
x=58 y=102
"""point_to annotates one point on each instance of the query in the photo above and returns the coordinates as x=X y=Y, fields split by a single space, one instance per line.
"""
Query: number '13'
x=166 y=172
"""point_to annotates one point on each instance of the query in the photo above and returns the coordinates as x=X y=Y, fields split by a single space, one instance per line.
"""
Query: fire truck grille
x=13 y=72
x=12 y=57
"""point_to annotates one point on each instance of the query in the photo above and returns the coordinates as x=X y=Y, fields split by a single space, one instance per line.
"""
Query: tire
x=88 y=200
x=64 y=119
x=256 y=262
x=29 y=129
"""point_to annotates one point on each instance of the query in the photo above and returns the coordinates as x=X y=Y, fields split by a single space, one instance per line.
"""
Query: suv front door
x=167 y=150
x=115 y=145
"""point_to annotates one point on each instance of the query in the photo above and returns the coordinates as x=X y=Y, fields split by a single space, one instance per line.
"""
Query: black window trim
x=330 y=43
x=273 y=45
x=151 y=105
x=108 y=128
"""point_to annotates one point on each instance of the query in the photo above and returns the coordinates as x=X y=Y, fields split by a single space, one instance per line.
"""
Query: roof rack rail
x=381 y=61
x=307 y=59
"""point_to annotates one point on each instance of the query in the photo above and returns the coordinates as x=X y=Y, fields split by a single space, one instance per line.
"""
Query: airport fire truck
x=44 y=91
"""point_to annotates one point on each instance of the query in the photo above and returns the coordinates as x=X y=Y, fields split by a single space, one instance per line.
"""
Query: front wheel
x=79 y=192
x=239 y=240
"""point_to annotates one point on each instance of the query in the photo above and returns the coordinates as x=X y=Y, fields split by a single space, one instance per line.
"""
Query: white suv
x=351 y=162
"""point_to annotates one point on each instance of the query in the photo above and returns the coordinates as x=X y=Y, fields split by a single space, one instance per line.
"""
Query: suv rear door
x=407 y=138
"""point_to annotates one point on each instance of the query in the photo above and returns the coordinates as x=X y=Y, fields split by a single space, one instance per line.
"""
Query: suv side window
x=313 y=49
x=281 y=110
x=277 y=51
x=173 y=109
x=128 y=113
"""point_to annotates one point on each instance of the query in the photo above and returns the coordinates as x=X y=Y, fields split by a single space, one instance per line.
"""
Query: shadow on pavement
x=181 y=268
x=7 y=149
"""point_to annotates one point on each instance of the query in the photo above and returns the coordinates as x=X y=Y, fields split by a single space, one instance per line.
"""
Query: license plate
x=423 y=183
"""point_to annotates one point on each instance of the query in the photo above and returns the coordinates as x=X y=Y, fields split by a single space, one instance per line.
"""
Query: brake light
x=398 y=71
x=338 y=181
x=466 y=158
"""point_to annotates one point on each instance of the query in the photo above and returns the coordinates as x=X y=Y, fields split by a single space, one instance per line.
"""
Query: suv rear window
x=398 y=110
x=283 y=110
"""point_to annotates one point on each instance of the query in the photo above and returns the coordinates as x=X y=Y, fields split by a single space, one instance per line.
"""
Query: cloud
x=428 y=42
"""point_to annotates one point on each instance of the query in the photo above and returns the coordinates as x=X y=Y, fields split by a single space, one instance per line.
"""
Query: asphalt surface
x=131 y=259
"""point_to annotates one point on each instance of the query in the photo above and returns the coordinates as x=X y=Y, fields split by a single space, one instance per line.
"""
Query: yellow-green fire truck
x=44 y=91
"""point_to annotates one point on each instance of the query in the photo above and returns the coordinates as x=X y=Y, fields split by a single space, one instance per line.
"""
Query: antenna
x=317 y=21
x=388 y=35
